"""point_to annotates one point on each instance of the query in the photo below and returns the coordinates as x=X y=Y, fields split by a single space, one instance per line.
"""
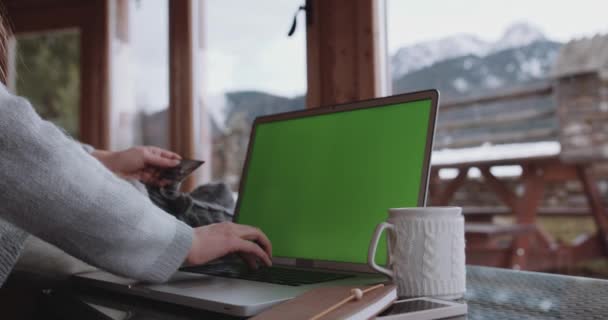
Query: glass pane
x=253 y=68
x=47 y=69
x=140 y=74
x=151 y=66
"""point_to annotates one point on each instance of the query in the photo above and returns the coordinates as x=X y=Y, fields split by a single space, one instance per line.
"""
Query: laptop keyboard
x=277 y=275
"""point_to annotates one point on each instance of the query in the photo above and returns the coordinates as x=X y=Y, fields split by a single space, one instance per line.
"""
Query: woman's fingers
x=216 y=240
x=170 y=155
x=165 y=153
x=157 y=160
x=255 y=234
x=144 y=176
x=250 y=260
x=248 y=247
x=154 y=156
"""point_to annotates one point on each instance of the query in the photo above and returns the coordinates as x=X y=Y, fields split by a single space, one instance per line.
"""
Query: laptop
x=317 y=182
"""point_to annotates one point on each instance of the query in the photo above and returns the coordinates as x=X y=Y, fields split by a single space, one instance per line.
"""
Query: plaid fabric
x=207 y=204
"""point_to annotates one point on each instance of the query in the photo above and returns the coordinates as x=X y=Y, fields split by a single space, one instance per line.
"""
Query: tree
x=48 y=74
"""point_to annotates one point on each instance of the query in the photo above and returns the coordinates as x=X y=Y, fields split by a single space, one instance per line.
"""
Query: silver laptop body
x=240 y=297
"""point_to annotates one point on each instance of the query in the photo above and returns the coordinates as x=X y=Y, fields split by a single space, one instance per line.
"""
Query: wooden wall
x=583 y=114
x=342 y=49
x=182 y=68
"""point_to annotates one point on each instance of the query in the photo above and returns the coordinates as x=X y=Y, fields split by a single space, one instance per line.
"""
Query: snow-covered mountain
x=518 y=35
x=459 y=66
x=421 y=55
x=418 y=56
x=474 y=75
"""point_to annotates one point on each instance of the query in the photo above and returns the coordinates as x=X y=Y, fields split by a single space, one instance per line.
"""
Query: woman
x=52 y=188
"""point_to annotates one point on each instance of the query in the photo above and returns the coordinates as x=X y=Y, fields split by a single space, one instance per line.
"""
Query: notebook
x=316 y=301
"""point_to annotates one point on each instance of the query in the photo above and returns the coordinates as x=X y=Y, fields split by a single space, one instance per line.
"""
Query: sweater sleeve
x=51 y=187
x=11 y=243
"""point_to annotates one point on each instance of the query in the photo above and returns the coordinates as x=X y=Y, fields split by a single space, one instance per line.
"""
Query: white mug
x=425 y=251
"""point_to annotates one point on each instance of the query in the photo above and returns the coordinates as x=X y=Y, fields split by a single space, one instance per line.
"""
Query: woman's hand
x=217 y=240
x=142 y=163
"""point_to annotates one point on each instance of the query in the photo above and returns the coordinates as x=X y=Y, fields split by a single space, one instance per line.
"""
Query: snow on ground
x=493 y=152
x=474 y=173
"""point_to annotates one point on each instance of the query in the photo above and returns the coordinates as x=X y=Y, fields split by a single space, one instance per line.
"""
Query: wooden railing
x=528 y=92
x=521 y=115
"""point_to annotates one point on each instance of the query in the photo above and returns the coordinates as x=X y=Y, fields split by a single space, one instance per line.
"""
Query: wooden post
x=434 y=185
x=95 y=76
x=503 y=193
x=596 y=205
x=527 y=210
x=445 y=196
x=342 y=46
x=181 y=78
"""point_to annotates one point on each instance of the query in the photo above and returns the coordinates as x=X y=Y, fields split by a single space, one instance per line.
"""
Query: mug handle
x=371 y=253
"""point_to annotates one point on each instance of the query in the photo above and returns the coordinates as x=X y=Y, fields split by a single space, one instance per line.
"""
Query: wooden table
x=530 y=247
x=491 y=294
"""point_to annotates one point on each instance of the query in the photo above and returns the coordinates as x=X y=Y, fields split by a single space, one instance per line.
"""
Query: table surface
x=491 y=294
x=507 y=294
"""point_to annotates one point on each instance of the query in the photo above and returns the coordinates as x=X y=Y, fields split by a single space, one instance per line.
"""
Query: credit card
x=181 y=171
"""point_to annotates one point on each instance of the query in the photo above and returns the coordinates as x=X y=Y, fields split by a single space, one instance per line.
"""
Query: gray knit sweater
x=50 y=187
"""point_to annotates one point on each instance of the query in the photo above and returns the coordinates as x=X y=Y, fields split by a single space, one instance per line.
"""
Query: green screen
x=319 y=185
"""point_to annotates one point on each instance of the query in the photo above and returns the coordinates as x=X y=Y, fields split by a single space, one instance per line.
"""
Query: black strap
x=292 y=30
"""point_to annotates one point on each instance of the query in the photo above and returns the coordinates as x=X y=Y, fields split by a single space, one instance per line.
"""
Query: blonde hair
x=4 y=35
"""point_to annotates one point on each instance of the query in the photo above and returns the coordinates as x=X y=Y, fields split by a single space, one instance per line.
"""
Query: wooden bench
x=491 y=235
x=529 y=246
x=481 y=134
x=487 y=214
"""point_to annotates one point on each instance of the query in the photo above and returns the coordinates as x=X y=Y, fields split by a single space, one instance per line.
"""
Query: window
x=47 y=69
x=252 y=68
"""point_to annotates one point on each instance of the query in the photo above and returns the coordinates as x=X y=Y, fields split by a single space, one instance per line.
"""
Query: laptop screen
x=319 y=185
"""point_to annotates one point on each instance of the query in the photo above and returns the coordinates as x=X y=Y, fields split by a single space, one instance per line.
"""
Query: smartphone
x=422 y=309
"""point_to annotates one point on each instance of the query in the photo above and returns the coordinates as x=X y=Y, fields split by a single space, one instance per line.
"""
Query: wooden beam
x=42 y=15
x=181 y=77
x=95 y=75
x=596 y=204
x=434 y=184
x=507 y=197
x=444 y=197
x=341 y=51
x=534 y=186
x=590 y=248
x=558 y=171
x=500 y=257
x=43 y=4
x=530 y=91
x=526 y=213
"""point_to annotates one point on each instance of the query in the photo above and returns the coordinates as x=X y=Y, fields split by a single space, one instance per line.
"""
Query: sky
x=411 y=22
x=247 y=47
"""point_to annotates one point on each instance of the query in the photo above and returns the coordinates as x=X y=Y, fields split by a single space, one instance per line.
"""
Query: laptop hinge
x=305 y=263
